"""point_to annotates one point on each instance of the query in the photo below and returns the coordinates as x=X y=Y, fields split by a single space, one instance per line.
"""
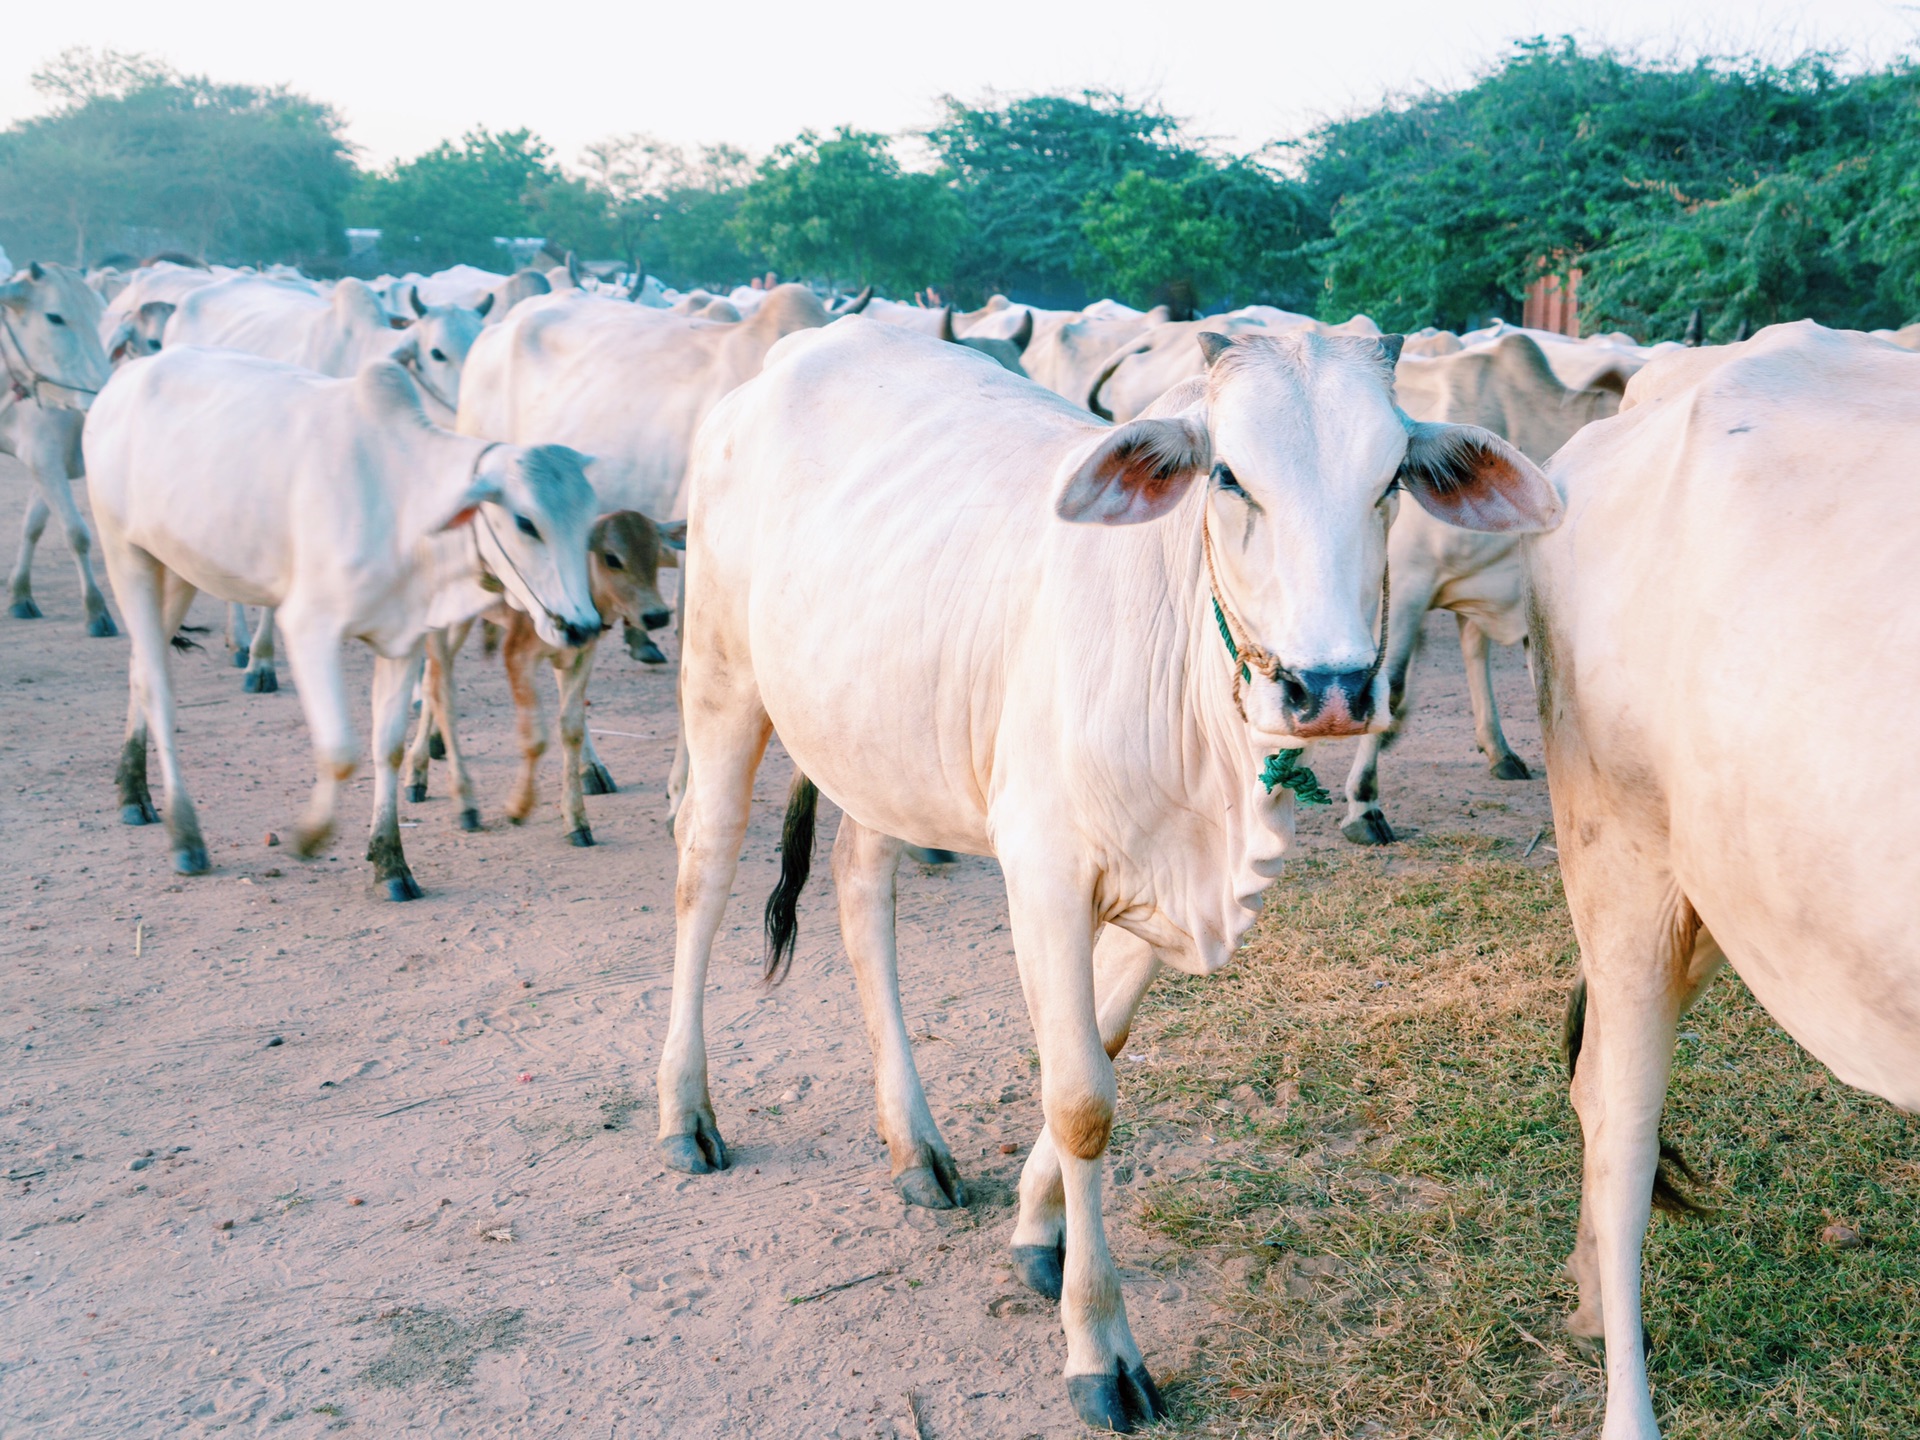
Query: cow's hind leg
x=313 y=650
x=239 y=634
x=1476 y=649
x=1124 y=966
x=261 y=679
x=725 y=742
x=1366 y=824
x=393 y=682
x=865 y=864
x=21 y=585
x=154 y=602
x=1107 y=1379
x=443 y=647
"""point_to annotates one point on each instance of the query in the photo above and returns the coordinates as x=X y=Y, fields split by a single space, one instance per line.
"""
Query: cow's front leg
x=1366 y=823
x=865 y=864
x=261 y=678
x=21 y=585
x=239 y=634
x=1476 y=649
x=313 y=650
x=393 y=682
x=1107 y=1379
x=571 y=669
x=517 y=654
x=1124 y=966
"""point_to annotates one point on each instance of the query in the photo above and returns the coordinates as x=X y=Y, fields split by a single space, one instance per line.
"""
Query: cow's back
x=1728 y=633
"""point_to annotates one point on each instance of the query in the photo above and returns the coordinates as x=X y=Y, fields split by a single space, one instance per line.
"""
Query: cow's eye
x=53 y=319
x=1223 y=477
x=438 y=356
x=527 y=527
x=612 y=561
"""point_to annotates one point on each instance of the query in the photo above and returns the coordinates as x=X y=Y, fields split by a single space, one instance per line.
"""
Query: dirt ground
x=285 y=1158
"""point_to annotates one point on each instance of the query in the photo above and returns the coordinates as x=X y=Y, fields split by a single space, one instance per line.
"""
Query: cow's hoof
x=932 y=857
x=139 y=813
x=1041 y=1268
x=241 y=659
x=261 y=682
x=701 y=1153
x=583 y=837
x=470 y=819
x=1370 y=829
x=25 y=609
x=1510 y=767
x=101 y=627
x=595 y=780
x=648 y=653
x=417 y=792
x=436 y=746
x=1121 y=1402
x=191 y=860
x=403 y=887
x=932 y=1187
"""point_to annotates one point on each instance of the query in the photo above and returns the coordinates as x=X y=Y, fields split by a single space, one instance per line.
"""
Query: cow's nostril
x=1294 y=693
x=657 y=619
x=1333 y=702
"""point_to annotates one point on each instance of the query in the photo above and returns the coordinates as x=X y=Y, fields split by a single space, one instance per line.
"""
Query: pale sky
x=407 y=75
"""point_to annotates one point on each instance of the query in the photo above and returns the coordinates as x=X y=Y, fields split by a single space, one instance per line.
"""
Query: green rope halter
x=1283 y=767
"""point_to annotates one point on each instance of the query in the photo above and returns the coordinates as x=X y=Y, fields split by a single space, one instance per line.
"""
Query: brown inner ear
x=1147 y=467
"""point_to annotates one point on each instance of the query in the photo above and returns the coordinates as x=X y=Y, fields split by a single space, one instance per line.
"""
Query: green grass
x=1396 y=1181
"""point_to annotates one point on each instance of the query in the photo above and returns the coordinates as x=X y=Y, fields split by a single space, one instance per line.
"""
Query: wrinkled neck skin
x=1194 y=839
x=446 y=573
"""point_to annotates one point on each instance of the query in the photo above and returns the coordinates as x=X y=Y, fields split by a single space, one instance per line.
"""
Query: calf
x=376 y=525
x=623 y=565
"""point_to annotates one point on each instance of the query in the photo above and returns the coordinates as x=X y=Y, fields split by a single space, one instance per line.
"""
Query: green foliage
x=447 y=206
x=134 y=157
x=844 y=210
x=672 y=213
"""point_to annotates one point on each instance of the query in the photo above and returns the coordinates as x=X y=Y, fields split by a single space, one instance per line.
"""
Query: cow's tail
x=1667 y=1194
x=796 y=863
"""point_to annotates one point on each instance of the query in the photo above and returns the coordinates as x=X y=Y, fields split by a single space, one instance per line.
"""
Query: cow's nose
x=580 y=634
x=1321 y=703
x=657 y=619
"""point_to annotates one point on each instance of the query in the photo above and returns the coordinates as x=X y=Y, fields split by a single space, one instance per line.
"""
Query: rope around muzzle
x=1282 y=769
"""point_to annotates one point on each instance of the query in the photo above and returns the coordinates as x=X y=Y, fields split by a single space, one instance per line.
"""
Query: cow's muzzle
x=576 y=634
x=657 y=619
x=1320 y=704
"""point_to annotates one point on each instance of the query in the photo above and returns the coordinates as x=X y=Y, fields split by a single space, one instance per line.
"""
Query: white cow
x=1725 y=637
x=1508 y=388
x=1138 y=372
x=877 y=568
x=340 y=504
x=50 y=346
x=1068 y=353
x=332 y=335
x=163 y=281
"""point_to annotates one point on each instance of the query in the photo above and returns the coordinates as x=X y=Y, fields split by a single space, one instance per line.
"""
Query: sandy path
x=338 y=1100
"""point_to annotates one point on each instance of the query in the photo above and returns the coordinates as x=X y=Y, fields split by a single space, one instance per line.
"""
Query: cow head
x=623 y=559
x=50 y=337
x=1303 y=451
x=141 y=333
x=532 y=513
x=436 y=344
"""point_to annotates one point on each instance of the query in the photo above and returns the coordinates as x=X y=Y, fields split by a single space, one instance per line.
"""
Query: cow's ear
x=1472 y=478
x=483 y=489
x=1135 y=472
x=673 y=534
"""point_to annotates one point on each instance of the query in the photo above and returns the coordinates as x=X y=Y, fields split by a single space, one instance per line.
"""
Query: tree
x=136 y=157
x=843 y=210
x=671 y=213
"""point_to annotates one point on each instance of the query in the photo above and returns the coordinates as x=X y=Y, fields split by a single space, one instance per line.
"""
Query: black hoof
x=926 y=1187
x=191 y=860
x=1041 y=1268
x=932 y=857
x=241 y=660
x=470 y=820
x=402 y=887
x=583 y=837
x=1510 y=767
x=417 y=792
x=436 y=746
x=101 y=627
x=1370 y=829
x=648 y=653
x=594 y=780
x=700 y=1154
x=1120 y=1402
x=142 y=813
x=25 y=610
x=260 y=682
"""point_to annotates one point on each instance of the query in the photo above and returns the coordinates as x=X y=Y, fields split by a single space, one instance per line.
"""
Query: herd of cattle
x=1071 y=589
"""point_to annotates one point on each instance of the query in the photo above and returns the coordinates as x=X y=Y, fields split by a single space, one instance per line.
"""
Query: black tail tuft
x=1667 y=1194
x=184 y=642
x=796 y=862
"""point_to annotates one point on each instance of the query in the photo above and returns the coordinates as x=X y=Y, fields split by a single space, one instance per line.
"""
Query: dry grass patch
x=1395 y=1179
